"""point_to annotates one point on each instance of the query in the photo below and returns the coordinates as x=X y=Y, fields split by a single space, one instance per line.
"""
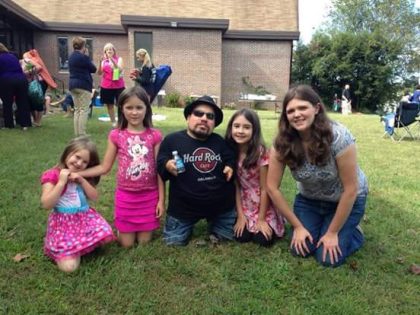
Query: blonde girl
x=74 y=228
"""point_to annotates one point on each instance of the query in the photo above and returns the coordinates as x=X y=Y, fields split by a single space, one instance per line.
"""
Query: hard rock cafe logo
x=204 y=160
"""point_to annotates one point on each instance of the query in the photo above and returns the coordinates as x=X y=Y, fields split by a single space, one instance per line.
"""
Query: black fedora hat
x=205 y=100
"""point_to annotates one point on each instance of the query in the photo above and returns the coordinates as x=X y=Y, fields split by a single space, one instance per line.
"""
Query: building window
x=89 y=46
x=63 y=53
x=64 y=46
x=142 y=40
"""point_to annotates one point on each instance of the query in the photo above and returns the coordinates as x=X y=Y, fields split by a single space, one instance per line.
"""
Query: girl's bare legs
x=69 y=264
x=144 y=237
x=127 y=240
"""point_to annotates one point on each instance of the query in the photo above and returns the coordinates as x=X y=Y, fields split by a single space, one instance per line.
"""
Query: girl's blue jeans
x=316 y=216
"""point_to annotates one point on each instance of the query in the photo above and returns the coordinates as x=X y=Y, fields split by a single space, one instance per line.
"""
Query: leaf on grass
x=19 y=257
x=200 y=243
x=399 y=260
x=415 y=269
x=354 y=266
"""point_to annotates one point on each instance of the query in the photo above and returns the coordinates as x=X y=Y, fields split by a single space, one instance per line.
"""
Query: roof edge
x=24 y=14
x=174 y=22
x=84 y=28
x=261 y=35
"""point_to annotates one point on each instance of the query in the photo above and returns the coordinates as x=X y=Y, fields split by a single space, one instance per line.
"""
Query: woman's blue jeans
x=316 y=216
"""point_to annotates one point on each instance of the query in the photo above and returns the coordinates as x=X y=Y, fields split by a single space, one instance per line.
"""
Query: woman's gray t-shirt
x=323 y=182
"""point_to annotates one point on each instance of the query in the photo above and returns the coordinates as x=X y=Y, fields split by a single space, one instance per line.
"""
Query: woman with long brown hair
x=321 y=156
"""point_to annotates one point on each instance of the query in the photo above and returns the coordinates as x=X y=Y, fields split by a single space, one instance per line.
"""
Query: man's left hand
x=228 y=171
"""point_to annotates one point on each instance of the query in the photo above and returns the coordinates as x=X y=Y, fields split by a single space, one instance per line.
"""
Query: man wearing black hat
x=205 y=189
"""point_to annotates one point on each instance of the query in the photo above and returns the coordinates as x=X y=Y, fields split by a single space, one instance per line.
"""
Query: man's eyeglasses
x=199 y=113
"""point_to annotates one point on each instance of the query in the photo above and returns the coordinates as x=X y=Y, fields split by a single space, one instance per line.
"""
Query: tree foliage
x=363 y=60
x=371 y=44
x=396 y=20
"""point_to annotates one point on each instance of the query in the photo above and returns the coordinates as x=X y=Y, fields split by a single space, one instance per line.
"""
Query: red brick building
x=211 y=45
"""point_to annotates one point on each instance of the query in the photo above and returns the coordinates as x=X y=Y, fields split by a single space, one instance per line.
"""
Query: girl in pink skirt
x=74 y=228
x=140 y=192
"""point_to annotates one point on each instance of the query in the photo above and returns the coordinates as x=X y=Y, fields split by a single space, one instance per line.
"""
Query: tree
x=365 y=61
x=396 y=20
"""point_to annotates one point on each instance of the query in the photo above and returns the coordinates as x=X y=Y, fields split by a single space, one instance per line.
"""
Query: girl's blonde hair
x=147 y=61
x=82 y=143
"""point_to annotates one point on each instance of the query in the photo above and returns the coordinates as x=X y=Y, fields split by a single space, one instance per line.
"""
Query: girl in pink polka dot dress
x=74 y=228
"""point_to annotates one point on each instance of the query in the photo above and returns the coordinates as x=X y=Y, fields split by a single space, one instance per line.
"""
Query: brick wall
x=194 y=55
x=267 y=63
x=274 y=15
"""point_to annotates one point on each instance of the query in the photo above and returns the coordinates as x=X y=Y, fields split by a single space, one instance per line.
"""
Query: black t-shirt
x=202 y=190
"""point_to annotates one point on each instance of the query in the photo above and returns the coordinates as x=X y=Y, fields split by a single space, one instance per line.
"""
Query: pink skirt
x=136 y=211
x=73 y=235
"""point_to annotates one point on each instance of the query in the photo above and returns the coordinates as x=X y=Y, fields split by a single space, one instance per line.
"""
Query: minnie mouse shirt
x=136 y=158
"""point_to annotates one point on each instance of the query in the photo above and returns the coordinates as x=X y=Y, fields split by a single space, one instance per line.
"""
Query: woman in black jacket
x=143 y=75
x=81 y=83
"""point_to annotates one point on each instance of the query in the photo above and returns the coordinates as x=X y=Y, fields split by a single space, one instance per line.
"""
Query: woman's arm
x=241 y=220
x=51 y=192
x=274 y=178
x=160 y=209
x=347 y=171
x=106 y=165
x=262 y=225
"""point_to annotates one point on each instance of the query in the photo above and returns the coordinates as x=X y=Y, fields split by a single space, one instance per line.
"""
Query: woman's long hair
x=147 y=61
x=256 y=145
x=288 y=143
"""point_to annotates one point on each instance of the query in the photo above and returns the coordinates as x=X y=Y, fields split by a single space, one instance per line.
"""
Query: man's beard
x=200 y=134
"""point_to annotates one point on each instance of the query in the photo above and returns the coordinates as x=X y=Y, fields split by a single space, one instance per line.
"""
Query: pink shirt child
x=136 y=159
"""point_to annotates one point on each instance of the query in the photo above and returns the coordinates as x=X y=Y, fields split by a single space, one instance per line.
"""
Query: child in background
x=140 y=192
x=74 y=228
x=258 y=220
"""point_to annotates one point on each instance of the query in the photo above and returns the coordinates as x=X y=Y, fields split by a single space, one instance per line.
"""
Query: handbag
x=36 y=95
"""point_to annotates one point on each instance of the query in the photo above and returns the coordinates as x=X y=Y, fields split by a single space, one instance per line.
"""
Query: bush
x=172 y=99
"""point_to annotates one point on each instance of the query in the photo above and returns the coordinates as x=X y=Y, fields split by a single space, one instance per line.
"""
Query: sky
x=312 y=13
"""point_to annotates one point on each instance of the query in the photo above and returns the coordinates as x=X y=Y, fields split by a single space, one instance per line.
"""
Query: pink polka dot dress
x=74 y=228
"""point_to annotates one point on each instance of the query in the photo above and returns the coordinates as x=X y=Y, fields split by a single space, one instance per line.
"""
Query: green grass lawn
x=201 y=278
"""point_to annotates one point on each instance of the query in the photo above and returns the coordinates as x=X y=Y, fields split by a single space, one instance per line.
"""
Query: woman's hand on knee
x=300 y=234
x=330 y=246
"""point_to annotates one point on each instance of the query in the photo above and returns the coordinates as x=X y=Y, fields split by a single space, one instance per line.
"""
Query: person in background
x=415 y=98
x=346 y=100
x=143 y=75
x=13 y=88
x=321 y=155
x=80 y=83
x=112 y=82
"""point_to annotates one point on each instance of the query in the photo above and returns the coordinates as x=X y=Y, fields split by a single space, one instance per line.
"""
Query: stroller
x=405 y=115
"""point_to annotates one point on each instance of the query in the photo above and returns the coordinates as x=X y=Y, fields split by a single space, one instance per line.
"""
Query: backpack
x=159 y=76
x=153 y=76
x=35 y=92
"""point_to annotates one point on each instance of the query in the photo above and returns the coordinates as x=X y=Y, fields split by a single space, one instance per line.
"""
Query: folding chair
x=406 y=114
